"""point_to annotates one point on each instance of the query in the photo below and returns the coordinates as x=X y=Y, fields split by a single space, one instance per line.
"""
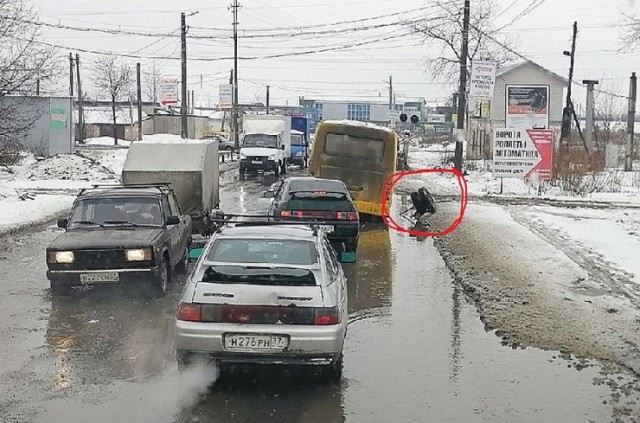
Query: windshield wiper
x=120 y=222
x=88 y=222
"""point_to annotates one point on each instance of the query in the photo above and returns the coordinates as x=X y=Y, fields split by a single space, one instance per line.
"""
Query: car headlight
x=272 y=157
x=139 y=254
x=63 y=257
x=242 y=157
x=299 y=154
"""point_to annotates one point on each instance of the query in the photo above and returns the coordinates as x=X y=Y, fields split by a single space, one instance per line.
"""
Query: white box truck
x=266 y=144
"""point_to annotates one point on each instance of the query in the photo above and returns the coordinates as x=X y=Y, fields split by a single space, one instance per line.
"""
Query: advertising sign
x=225 y=96
x=526 y=153
x=58 y=119
x=527 y=106
x=168 y=90
x=483 y=79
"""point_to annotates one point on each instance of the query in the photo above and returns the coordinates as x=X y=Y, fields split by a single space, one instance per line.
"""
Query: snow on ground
x=610 y=186
x=17 y=213
x=106 y=141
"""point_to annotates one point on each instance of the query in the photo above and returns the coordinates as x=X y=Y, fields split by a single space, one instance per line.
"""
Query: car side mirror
x=347 y=257
x=268 y=194
x=172 y=220
x=282 y=147
x=62 y=223
x=195 y=253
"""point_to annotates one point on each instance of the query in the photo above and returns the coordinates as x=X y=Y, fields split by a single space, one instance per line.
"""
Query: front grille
x=100 y=259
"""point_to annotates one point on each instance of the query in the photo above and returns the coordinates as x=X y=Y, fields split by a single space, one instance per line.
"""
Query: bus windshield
x=356 y=147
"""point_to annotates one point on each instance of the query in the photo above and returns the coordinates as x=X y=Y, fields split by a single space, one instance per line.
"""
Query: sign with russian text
x=483 y=80
x=523 y=153
x=225 y=96
x=168 y=90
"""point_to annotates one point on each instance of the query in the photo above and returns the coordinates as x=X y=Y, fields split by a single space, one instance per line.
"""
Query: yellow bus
x=361 y=155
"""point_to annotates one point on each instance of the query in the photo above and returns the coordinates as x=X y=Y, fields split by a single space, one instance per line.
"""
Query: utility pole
x=567 y=112
x=236 y=137
x=462 y=90
x=139 y=83
x=390 y=92
x=589 y=127
x=38 y=87
x=268 y=99
x=185 y=95
x=80 y=102
x=71 y=75
x=631 y=123
x=155 y=84
x=201 y=90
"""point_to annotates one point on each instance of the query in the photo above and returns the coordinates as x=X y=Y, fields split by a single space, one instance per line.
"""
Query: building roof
x=510 y=68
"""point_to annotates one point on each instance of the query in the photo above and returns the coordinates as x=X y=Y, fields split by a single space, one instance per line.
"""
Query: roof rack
x=268 y=220
x=158 y=185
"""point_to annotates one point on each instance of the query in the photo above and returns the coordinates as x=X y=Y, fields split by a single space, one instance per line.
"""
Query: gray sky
x=357 y=73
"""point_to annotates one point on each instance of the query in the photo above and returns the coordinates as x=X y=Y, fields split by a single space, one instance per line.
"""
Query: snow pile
x=61 y=167
x=612 y=185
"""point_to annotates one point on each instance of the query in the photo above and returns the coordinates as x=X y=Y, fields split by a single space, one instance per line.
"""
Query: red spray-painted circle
x=393 y=179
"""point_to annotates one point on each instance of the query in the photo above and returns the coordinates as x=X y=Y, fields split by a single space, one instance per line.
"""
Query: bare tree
x=444 y=34
x=151 y=81
x=609 y=114
x=24 y=60
x=114 y=77
x=630 y=36
x=258 y=96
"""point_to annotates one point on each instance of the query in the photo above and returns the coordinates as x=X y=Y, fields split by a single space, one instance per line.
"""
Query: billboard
x=483 y=79
x=527 y=106
x=168 y=90
x=523 y=153
x=225 y=96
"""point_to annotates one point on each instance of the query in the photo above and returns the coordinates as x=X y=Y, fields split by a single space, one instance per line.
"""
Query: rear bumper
x=268 y=359
x=307 y=344
x=125 y=276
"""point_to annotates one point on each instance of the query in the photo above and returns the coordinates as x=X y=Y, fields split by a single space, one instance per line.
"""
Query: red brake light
x=285 y=213
x=189 y=312
x=347 y=216
x=327 y=316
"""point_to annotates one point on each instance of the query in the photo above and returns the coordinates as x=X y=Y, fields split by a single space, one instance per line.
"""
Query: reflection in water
x=370 y=278
x=268 y=394
x=99 y=336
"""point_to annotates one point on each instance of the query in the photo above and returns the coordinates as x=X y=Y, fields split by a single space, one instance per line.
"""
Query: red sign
x=543 y=141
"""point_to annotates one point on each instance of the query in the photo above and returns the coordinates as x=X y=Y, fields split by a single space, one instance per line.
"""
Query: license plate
x=87 y=278
x=256 y=162
x=256 y=342
x=328 y=228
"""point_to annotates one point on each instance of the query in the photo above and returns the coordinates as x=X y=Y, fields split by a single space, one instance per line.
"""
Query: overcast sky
x=358 y=73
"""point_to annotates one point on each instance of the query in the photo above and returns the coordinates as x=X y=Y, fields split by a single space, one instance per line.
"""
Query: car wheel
x=351 y=246
x=284 y=167
x=59 y=288
x=184 y=262
x=333 y=372
x=161 y=283
x=241 y=171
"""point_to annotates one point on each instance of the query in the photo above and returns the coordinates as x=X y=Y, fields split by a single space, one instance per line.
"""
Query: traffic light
x=403 y=117
x=415 y=119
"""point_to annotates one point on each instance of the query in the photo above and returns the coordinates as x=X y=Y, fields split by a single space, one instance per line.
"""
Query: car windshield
x=260 y=140
x=116 y=211
x=276 y=251
x=255 y=275
x=297 y=140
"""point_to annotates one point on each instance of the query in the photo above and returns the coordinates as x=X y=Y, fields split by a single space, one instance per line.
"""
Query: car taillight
x=285 y=213
x=189 y=312
x=327 y=316
x=347 y=216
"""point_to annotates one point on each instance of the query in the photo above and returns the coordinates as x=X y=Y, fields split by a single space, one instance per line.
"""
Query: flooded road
x=415 y=351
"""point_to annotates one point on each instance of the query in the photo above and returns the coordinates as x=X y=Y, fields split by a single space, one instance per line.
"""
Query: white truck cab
x=266 y=144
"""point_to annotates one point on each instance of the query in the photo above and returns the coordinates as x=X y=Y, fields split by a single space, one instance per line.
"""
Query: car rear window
x=316 y=185
x=276 y=251
x=255 y=275
x=356 y=147
x=320 y=202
